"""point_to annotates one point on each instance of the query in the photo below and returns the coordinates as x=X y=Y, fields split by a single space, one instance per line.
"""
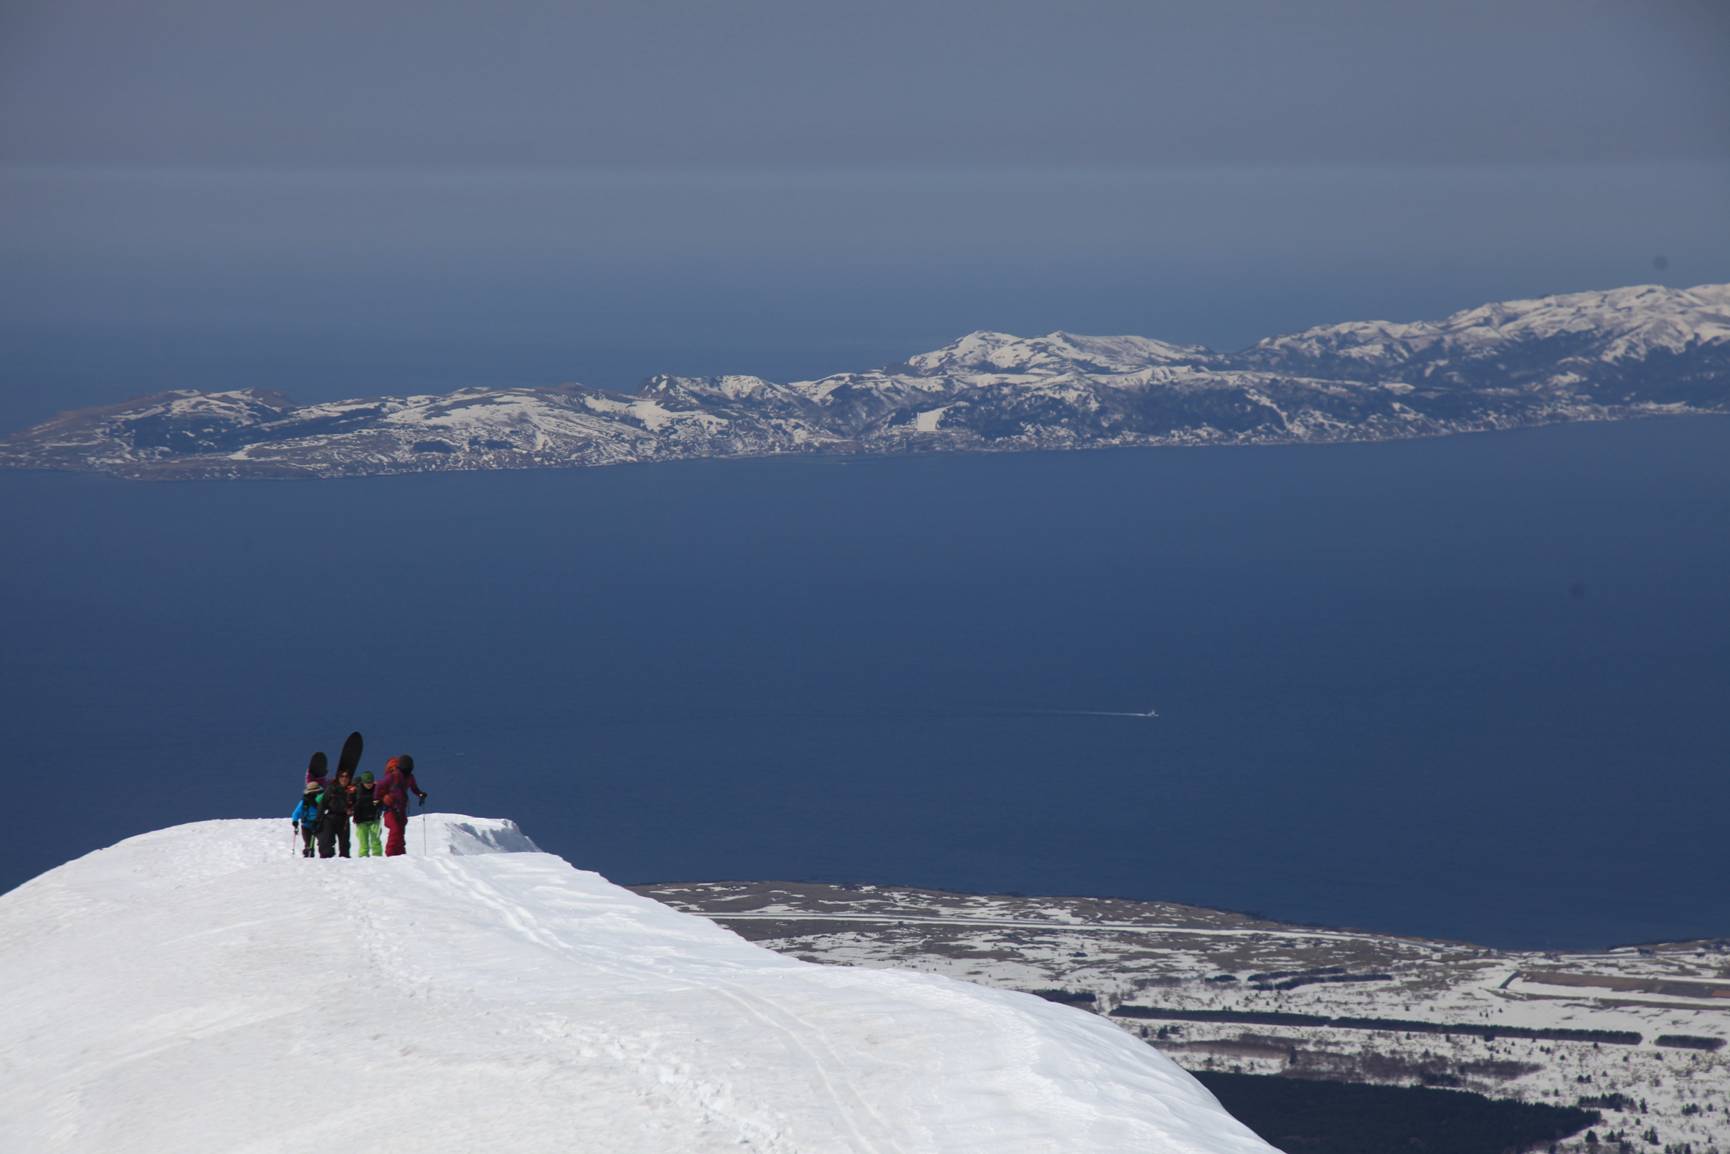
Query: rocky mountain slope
x=202 y=988
x=1580 y=356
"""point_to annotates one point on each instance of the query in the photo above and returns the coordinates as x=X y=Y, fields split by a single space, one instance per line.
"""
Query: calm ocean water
x=1475 y=687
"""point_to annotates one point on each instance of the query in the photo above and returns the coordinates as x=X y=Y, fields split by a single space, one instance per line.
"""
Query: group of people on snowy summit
x=326 y=808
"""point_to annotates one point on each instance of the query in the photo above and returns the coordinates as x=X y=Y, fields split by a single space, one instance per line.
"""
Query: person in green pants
x=366 y=817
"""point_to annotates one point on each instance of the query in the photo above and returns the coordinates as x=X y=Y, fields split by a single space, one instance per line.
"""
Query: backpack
x=333 y=802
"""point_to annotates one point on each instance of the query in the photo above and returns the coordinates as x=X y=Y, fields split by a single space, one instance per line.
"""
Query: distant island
x=1589 y=356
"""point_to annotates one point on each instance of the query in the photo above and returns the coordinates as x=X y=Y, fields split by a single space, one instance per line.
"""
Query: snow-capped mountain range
x=205 y=989
x=1580 y=356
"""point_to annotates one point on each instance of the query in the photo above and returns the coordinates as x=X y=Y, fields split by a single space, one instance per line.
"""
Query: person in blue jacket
x=305 y=816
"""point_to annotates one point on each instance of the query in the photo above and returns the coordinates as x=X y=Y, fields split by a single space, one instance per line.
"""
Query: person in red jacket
x=392 y=792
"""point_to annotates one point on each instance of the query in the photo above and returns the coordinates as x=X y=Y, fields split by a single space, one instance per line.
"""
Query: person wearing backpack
x=365 y=814
x=305 y=816
x=333 y=810
x=392 y=794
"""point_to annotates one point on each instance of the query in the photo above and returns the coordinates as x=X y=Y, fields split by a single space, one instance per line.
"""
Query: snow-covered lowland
x=1639 y=1035
x=203 y=988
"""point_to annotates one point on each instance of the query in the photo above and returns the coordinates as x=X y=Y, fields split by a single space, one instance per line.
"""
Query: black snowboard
x=350 y=759
x=315 y=767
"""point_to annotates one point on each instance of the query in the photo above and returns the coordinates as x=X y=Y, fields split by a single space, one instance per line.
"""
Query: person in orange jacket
x=392 y=793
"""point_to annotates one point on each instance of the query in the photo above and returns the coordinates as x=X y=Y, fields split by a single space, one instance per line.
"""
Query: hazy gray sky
x=432 y=82
x=339 y=197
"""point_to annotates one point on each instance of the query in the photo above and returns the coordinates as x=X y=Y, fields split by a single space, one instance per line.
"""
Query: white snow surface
x=202 y=988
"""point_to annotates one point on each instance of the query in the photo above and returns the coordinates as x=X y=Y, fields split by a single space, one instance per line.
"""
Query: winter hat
x=314 y=786
x=405 y=763
x=366 y=777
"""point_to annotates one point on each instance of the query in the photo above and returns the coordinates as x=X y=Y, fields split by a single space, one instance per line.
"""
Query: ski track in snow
x=205 y=989
x=844 y=1106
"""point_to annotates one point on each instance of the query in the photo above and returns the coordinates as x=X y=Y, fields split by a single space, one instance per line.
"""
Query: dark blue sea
x=1476 y=687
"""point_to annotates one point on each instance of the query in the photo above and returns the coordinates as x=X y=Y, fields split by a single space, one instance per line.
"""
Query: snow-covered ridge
x=203 y=988
x=1622 y=324
x=1626 y=352
x=987 y=353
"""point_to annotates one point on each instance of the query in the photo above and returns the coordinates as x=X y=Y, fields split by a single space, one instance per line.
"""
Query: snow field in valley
x=202 y=988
